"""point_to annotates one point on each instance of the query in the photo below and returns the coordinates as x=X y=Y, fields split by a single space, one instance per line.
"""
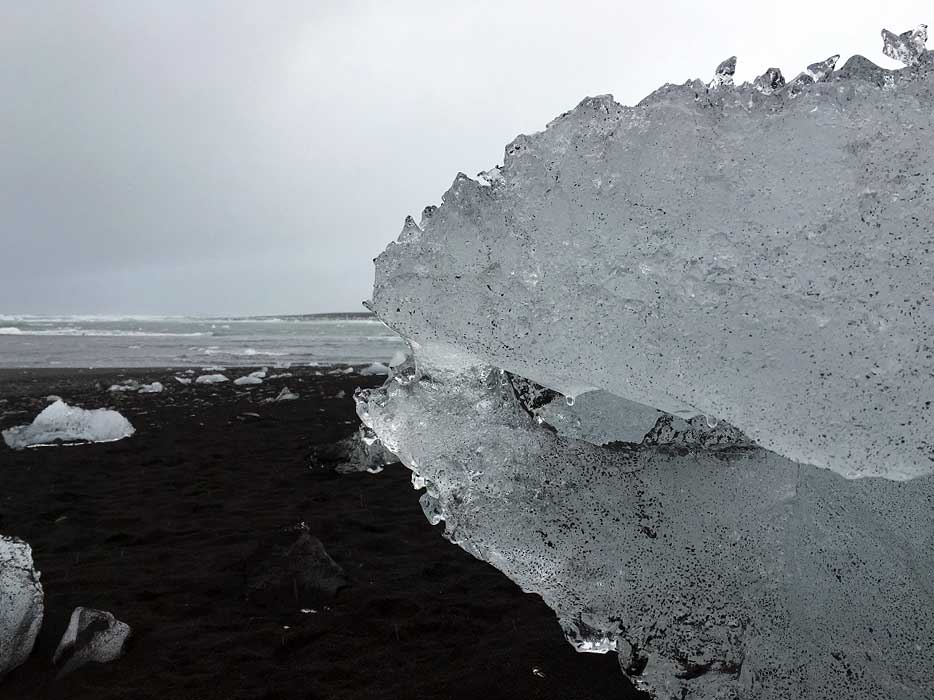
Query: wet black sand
x=158 y=529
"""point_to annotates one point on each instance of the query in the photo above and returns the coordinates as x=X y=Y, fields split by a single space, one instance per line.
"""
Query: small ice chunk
x=374 y=369
x=285 y=395
x=248 y=380
x=61 y=423
x=92 y=636
x=21 y=603
x=907 y=47
x=259 y=374
x=723 y=76
x=154 y=388
x=183 y=380
x=52 y=398
x=211 y=379
x=125 y=385
x=363 y=451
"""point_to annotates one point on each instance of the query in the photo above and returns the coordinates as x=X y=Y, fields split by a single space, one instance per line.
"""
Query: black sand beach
x=160 y=528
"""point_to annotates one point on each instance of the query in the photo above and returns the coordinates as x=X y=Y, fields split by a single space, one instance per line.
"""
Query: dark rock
x=293 y=570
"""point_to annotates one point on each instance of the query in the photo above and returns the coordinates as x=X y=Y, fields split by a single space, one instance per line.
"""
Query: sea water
x=161 y=341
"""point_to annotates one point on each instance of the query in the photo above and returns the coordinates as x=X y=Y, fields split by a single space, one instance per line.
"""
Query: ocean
x=181 y=341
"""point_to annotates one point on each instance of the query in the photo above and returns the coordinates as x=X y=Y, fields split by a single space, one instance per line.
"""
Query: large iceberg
x=60 y=423
x=673 y=371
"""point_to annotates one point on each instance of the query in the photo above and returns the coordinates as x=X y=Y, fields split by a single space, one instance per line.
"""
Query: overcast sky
x=181 y=156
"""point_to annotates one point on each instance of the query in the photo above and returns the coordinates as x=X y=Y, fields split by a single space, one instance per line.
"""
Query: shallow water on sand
x=148 y=341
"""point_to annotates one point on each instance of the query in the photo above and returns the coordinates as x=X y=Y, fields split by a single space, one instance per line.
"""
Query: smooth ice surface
x=21 y=603
x=247 y=380
x=755 y=262
x=61 y=423
x=762 y=258
x=284 y=395
x=154 y=388
x=716 y=571
x=211 y=379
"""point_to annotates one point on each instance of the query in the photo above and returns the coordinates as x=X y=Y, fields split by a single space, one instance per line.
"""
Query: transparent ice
x=748 y=265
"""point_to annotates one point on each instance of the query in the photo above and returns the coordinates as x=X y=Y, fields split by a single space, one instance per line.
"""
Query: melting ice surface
x=748 y=266
x=61 y=423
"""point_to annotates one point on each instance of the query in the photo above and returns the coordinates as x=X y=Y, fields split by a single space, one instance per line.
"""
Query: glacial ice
x=154 y=388
x=762 y=258
x=673 y=371
x=60 y=423
x=283 y=395
x=21 y=603
x=125 y=385
x=211 y=379
x=248 y=380
x=374 y=369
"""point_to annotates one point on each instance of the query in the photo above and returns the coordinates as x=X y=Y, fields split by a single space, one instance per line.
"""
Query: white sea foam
x=93 y=332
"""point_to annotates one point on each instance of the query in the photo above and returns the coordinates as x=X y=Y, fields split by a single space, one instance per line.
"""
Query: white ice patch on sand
x=61 y=423
x=126 y=385
x=211 y=379
x=374 y=369
x=154 y=388
x=284 y=395
x=248 y=380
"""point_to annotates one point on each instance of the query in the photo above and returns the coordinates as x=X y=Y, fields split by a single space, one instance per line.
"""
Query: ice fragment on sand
x=792 y=307
x=183 y=380
x=61 y=423
x=211 y=379
x=248 y=380
x=284 y=395
x=125 y=385
x=154 y=388
x=375 y=368
x=92 y=636
x=361 y=452
x=21 y=603
x=754 y=263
